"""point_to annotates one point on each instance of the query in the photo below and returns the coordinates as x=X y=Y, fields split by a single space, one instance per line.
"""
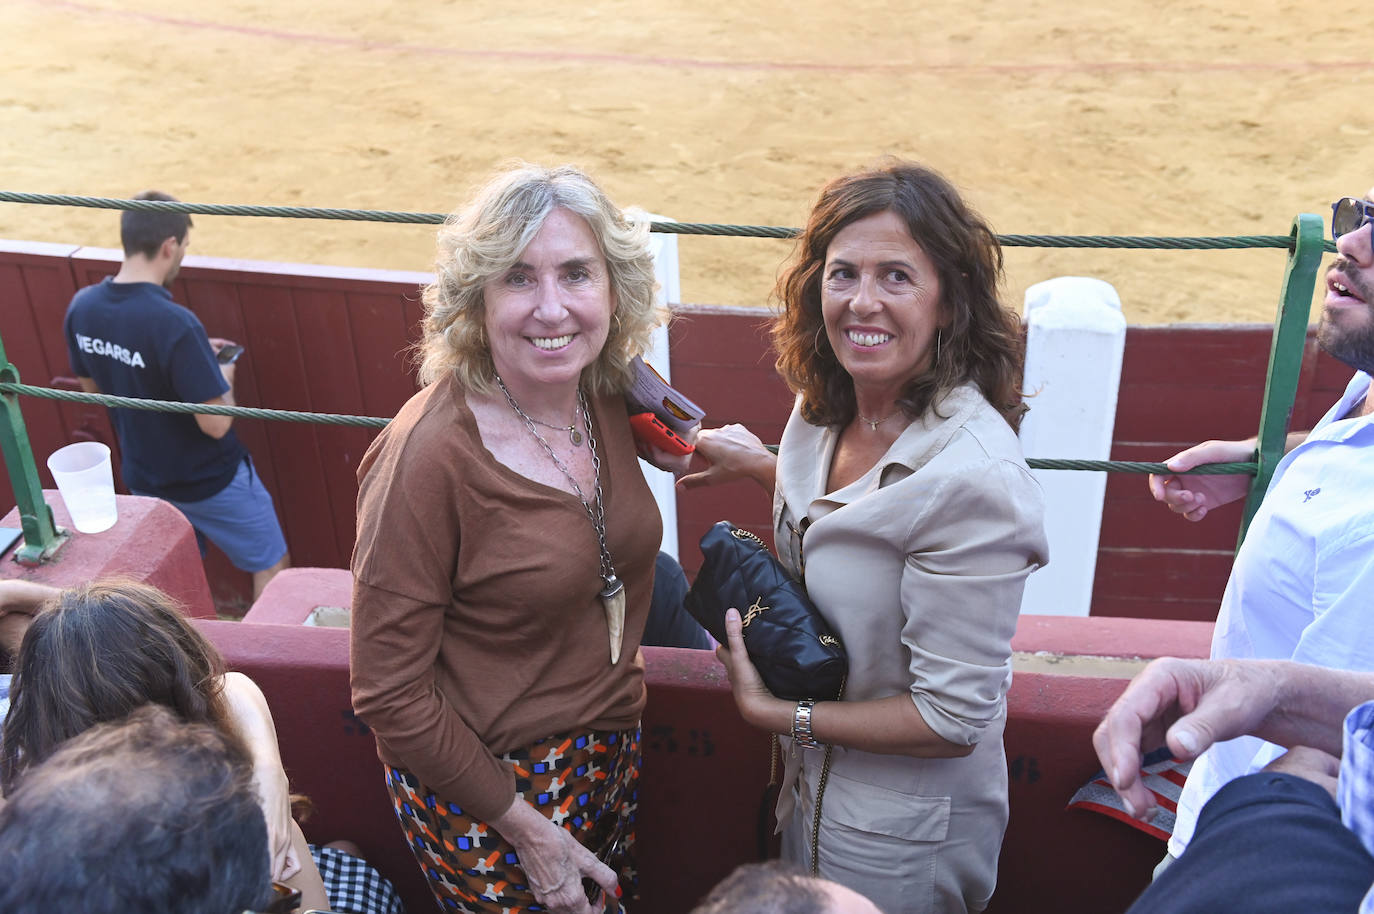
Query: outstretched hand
x=1195 y=496
x=732 y=452
x=1185 y=704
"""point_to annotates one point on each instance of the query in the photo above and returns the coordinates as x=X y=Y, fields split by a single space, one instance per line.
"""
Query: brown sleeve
x=403 y=568
x=395 y=639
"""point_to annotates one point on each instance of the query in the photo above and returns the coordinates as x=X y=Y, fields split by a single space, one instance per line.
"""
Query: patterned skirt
x=585 y=782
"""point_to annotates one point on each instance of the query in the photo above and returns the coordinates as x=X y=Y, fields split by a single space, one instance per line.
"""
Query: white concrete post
x=666 y=271
x=1075 y=337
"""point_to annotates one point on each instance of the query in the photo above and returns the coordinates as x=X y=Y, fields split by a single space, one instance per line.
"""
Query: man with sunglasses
x=1301 y=583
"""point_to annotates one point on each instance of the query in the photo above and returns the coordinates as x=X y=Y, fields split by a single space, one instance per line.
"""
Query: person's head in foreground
x=96 y=653
x=890 y=301
x=780 y=888
x=541 y=278
x=150 y=815
x=1346 y=330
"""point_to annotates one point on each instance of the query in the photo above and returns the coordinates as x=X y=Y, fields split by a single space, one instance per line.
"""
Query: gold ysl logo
x=754 y=610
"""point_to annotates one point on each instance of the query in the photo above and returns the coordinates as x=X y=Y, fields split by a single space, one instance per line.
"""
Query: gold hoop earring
x=937 y=346
x=816 y=342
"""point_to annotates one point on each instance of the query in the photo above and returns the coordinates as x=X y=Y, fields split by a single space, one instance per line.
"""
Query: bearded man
x=1301 y=583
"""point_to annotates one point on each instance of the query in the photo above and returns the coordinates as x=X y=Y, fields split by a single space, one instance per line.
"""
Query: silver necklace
x=574 y=434
x=874 y=423
x=613 y=591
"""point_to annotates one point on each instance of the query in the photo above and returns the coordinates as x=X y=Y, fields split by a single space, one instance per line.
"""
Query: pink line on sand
x=637 y=60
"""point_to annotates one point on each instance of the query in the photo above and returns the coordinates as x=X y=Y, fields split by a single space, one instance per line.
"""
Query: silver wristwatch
x=801 y=725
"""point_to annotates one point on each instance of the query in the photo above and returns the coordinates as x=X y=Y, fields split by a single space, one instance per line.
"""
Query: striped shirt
x=1356 y=792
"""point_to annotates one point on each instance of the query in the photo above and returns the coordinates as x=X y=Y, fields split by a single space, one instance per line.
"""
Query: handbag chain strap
x=816 y=822
x=742 y=534
x=820 y=796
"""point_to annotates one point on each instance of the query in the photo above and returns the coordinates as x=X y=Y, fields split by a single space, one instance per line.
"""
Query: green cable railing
x=1130 y=242
x=289 y=415
x=1304 y=244
x=202 y=409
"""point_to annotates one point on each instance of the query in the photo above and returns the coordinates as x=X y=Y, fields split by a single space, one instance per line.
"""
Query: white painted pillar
x=1075 y=337
x=664 y=248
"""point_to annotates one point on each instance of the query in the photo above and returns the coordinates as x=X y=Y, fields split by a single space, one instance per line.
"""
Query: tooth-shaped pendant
x=613 y=599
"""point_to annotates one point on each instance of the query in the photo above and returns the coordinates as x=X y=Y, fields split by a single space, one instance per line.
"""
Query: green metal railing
x=42 y=537
x=1304 y=244
x=1285 y=356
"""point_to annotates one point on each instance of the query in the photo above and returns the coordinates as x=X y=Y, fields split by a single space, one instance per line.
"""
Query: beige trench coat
x=919 y=567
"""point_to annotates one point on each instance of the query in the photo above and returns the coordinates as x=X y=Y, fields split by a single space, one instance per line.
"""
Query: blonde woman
x=505 y=555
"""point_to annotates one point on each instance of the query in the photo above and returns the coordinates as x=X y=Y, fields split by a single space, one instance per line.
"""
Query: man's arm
x=19 y=600
x=218 y=426
x=1190 y=704
x=214 y=426
x=1195 y=496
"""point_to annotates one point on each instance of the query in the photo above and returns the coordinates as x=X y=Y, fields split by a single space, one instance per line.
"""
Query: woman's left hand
x=676 y=464
x=751 y=695
x=553 y=861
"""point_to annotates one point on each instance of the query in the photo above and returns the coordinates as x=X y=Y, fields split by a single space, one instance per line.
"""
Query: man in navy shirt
x=127 y=337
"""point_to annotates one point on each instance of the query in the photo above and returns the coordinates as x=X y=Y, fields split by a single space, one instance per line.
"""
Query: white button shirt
x=1302 y=587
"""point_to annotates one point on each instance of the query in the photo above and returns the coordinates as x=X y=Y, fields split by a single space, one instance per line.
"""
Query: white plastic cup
x=84 y=477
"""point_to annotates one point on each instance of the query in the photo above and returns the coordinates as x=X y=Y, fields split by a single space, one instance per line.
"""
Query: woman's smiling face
x=880 y=299
x=548 y=316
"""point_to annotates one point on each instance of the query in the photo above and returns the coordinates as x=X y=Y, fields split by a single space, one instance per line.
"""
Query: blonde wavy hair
x=485 y=238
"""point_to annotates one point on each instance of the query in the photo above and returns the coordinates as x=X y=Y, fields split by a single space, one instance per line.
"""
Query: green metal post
x=42 y=537
x=1285 y=356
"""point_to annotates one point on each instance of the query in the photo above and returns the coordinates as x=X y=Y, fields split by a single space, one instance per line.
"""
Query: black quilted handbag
x=787 y=637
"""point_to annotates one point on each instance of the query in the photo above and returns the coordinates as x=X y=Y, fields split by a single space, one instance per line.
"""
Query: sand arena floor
x=1108 y=116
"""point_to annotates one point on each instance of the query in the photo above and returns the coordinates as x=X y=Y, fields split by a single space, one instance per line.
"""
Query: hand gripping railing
x=1304 y=243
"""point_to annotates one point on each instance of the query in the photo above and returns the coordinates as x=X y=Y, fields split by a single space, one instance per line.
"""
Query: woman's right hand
x=756 y=704
x=733 y=452
x=553 y=860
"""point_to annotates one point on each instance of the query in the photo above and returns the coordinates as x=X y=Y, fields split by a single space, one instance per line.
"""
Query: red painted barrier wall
x=1181 y=385
x=336 y=340
x=705 y=770
x=151 y=542
x=318 y=339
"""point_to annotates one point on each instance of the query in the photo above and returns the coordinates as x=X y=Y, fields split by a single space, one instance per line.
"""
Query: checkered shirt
x=352 y=884
x=1356 y=793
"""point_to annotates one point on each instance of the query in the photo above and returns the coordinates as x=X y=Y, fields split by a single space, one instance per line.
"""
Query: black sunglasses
x=1350 y=214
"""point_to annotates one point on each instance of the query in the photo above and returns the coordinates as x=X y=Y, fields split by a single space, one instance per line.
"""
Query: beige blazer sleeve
x=969 y=550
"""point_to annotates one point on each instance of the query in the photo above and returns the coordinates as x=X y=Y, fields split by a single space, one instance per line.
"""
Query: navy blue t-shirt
x=134 y=341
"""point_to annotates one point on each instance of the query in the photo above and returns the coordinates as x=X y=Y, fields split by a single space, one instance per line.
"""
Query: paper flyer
x=653 y=394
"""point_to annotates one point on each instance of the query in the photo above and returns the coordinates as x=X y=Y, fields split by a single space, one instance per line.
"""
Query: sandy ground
x=1111 y=117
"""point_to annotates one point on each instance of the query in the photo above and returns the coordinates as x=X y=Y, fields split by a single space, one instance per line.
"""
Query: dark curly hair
x=981 y=341
x=94 y=655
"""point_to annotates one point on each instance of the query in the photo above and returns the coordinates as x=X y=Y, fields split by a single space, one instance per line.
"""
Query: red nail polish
x=618 y=892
